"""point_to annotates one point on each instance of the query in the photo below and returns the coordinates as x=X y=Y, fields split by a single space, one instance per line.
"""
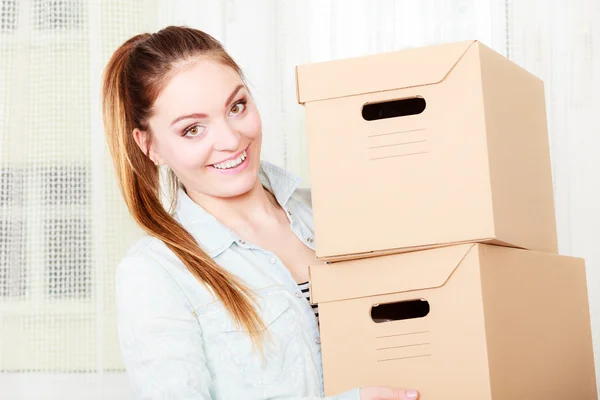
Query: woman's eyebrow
x=202 y=115
x=232 y=95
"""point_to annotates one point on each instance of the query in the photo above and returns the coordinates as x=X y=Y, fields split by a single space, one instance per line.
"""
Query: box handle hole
x=394 y=108
x=401 y=310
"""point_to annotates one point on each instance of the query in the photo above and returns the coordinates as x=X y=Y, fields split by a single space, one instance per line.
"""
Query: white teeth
x=231 y=163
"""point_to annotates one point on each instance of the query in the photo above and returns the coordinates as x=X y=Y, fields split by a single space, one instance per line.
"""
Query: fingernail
x=412 y=394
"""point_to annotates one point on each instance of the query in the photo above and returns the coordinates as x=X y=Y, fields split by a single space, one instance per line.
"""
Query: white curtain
x=63 y=225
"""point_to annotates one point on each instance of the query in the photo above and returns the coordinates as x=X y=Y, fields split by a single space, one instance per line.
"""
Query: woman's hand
x=386 y=393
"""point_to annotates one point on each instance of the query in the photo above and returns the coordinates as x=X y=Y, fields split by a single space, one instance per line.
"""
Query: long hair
x=134 y=77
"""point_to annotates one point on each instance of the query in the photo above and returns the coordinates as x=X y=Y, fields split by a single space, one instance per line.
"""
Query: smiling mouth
x=229 y=164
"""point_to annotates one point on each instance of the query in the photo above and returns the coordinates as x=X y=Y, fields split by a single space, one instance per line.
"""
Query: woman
x=208 y=303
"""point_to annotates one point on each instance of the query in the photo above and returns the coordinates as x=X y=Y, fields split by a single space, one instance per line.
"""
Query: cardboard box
x=473 y=165
x=483 y=322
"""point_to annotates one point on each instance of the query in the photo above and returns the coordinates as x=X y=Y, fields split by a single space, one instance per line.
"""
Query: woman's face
x=206 y=128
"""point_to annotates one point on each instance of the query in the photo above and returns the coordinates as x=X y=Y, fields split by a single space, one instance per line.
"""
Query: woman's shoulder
x=150 y=265
x=149 y=252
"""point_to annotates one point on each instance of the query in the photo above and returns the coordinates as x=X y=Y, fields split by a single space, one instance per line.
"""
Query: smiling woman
x=208 y=302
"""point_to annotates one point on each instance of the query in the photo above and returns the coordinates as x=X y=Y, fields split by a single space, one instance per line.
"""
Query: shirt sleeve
x=160 y=338
x=353 y=394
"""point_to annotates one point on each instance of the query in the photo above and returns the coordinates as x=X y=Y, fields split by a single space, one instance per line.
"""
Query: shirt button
x=289 y=212
x=299 y=295
x=272 y=260
x=242 y=242
x=318 y=340
x=310 y=240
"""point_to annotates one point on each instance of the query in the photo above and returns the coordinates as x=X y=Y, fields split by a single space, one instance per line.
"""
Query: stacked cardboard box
x=434 y=218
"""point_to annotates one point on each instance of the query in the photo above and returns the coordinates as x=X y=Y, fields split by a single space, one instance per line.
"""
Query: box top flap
x=396 y=273
x=378 y=72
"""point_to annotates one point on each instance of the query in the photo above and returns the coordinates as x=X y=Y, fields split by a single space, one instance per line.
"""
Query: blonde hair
x=135 y=75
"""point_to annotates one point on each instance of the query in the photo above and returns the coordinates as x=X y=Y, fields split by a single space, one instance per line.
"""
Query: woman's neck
x=254 y=207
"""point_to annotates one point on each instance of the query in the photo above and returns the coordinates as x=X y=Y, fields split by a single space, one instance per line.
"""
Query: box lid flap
x=385 y=274
x=378 y=72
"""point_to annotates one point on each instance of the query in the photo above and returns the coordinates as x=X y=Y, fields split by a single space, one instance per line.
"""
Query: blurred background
x=63 y=224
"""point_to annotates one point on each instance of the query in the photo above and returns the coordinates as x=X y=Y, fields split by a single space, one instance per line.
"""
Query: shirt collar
x=213 y=236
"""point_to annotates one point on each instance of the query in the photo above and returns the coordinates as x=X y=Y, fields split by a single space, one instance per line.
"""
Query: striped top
x=306 y=291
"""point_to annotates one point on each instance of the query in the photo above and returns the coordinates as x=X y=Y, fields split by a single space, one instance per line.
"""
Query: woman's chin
x=239 y=187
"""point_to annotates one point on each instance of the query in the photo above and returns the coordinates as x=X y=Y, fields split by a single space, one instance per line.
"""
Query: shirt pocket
x=232 y=346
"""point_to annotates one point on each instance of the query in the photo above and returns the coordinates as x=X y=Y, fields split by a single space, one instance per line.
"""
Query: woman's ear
x=142 y=138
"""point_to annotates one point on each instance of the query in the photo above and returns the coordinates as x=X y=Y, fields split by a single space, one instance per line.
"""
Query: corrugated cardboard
x=473 y=166
x=503 y=323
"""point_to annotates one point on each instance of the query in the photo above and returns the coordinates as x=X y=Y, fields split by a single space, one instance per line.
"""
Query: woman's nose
x=227 y=138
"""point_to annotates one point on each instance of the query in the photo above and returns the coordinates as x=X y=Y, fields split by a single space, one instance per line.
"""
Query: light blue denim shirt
x=178 y=341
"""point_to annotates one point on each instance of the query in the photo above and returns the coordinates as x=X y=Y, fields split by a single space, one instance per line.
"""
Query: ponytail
x=138 y=180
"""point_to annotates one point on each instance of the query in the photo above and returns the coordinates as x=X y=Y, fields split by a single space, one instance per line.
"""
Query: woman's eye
x=237 y=108
x=195 y=131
